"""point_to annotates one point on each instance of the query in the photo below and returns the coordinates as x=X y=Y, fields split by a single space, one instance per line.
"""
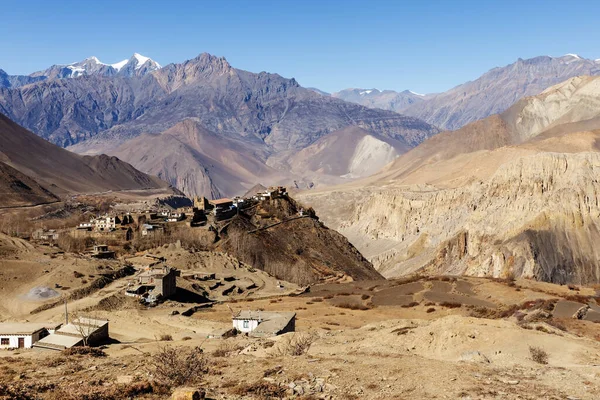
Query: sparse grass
x=538 y=355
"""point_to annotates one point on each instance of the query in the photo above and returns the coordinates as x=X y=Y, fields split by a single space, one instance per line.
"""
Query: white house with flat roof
x=264 y=323
x=22 y=335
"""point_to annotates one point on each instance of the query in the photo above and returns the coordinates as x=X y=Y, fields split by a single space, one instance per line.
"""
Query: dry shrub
x=186 y=338
x=135 y=389
x=557 y=324
x=579 y=298
x=364 y=297
x=260 y=389
x=165 y=338
x=353 y=306
x=84 y=351
x=329 y=296
x=411 y=304
x=450 y=304
x=296 y=344
x=54 y=362
x=317 y=300
x=430 y=310
x=538 y=355
x=272 y=371
x=225 y=349
x=178 y=367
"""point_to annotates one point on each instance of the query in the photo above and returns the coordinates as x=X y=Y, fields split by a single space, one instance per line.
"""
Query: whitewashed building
x=23 y=335
x=264 y=323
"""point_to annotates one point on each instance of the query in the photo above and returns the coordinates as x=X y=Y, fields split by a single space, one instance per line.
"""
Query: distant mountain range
x=254 y=123
x=209 y=128
x=492 y=93
x=137 y=65
x=385 y=100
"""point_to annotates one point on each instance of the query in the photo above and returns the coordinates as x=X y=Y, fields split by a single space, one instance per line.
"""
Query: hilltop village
x=139 y=222
x=150 y=279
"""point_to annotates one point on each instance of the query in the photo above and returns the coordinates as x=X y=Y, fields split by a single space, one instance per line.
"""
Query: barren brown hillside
x=299 y=249
x=61 y=171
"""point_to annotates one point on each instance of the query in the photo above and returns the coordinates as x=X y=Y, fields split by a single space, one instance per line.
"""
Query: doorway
x=21 y=342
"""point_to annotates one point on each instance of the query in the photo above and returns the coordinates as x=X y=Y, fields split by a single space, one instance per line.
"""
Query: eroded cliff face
x=534 y=217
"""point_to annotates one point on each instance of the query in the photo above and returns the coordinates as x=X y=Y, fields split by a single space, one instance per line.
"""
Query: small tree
x=85 y=326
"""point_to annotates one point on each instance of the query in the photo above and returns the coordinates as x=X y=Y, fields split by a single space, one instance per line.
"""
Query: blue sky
x=425 y=46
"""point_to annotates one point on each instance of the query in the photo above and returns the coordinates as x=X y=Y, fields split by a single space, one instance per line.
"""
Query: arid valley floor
x=437 y=337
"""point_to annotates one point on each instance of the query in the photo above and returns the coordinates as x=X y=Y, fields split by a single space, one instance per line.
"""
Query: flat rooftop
x=57 y=340
x=25 y=328
x=269 y=323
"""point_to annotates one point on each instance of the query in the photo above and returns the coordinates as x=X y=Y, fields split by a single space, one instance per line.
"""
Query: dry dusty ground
x=441 y=338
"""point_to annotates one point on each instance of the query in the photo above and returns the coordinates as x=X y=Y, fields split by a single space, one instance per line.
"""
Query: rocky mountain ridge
x=272 y=115
x=136 y=65
x=491 y=93
x=385 y=100
x=512 y=195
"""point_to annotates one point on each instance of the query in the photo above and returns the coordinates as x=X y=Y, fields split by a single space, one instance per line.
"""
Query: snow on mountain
x=137 y=64
x=120 y=64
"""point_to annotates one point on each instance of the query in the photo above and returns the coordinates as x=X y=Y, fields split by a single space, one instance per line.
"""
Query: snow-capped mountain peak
x=94 y=59
x=137 y=64
x=140 y=58
x=120 y=64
